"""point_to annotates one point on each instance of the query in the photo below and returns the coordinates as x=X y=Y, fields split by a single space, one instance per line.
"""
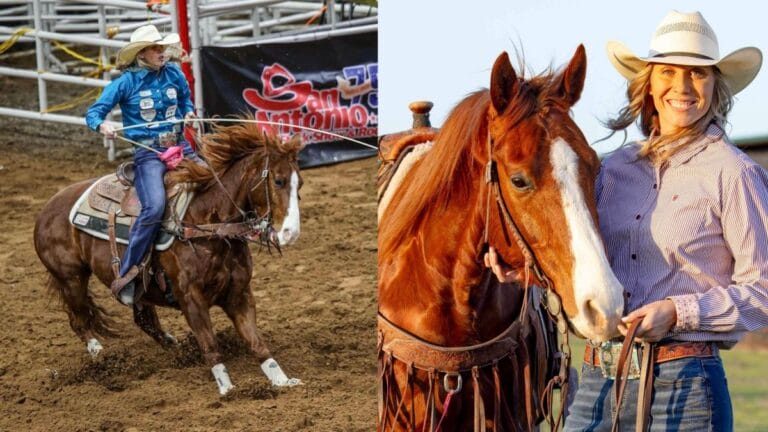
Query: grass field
x=747 y=381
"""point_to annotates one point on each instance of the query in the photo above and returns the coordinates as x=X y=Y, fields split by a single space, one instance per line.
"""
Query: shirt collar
x=712 y=134
x=142 y=72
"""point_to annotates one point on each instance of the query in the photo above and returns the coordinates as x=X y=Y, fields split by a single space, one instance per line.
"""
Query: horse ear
x=504 y=82
x=296 y=142
x=572 y=78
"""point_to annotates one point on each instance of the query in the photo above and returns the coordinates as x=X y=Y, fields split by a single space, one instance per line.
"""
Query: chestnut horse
x=511 y=170
x=251 y=182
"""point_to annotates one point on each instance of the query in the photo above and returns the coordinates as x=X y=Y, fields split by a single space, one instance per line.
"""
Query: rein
x=259 y=226
x=622 y=378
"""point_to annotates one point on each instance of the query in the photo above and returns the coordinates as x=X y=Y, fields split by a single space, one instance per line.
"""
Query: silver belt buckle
x=609 y=353
x=167 y=139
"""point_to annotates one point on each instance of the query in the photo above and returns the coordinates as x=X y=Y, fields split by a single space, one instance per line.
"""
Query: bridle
x=252 y=227
x=550 y=300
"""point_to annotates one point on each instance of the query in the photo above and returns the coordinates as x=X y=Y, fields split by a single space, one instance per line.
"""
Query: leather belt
x=164 y=139
x=662 y=353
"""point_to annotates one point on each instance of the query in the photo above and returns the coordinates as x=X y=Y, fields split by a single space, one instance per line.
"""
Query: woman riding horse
x=149 y=89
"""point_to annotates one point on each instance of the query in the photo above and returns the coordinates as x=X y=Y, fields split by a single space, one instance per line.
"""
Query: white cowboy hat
x=141 y=38
x=687 y=39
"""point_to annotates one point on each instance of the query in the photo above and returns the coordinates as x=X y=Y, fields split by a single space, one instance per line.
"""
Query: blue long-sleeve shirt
x=144 y=96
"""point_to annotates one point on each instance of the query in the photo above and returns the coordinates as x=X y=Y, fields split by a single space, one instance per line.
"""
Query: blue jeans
x=690 y=394
x=148 y=181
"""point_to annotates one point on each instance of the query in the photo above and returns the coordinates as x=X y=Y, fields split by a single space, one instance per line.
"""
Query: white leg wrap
x=222 y=378
x=276 y=375
x=94 y=347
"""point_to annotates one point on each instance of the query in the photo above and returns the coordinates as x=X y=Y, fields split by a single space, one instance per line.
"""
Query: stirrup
x=126 y=295
x=120 y=283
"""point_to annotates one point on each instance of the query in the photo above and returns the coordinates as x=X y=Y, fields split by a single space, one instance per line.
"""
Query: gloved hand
x=190 y=117
x=107 y=130
x=172 y=157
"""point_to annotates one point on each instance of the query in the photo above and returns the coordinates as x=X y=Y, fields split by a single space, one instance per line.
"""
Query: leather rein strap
x=622 y=378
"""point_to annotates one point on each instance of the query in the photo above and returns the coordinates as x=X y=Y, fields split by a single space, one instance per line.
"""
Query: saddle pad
x=401 y=169
x=89 y=214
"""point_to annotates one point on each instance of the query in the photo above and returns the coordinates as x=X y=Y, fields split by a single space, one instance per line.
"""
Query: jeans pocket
x=682 y=404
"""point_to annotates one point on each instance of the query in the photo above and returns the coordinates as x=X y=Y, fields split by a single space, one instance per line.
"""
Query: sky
x=441 y=51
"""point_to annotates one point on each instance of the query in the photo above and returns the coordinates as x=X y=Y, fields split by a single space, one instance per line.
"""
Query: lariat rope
x=265 y=172
x=265 y=122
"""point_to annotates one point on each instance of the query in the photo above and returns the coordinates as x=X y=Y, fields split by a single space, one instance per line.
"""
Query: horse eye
x=520 y=182
x=280 y=182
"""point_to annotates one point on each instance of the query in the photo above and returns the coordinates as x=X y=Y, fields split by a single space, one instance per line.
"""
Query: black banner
x=329 y=84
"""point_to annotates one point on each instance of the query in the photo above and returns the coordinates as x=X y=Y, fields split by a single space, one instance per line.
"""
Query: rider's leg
x=149 y=171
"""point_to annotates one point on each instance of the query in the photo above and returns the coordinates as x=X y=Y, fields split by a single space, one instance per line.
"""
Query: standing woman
x=150 y=89
x=684 y=216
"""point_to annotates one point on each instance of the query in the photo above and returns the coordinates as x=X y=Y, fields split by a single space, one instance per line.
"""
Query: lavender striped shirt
x=694 y=231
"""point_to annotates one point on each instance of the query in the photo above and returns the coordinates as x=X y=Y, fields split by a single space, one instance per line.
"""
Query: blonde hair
x=640 y=108
x=137 y=61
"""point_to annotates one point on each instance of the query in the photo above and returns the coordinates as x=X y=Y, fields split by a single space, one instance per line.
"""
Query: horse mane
x=445 y=173
x=228 y=144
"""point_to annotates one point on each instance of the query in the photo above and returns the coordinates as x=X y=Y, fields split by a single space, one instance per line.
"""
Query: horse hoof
x=170 y=340
x=94 y=348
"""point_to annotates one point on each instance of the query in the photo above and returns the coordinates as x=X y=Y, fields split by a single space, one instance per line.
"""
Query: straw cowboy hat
x=687 y=39
x=141 y=38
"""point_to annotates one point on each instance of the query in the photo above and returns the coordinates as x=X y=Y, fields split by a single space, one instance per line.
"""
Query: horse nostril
x=593 y=315
x=287 y=235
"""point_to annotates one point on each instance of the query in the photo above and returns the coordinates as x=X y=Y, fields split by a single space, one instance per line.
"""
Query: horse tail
x=58 y=246
x=85 y=315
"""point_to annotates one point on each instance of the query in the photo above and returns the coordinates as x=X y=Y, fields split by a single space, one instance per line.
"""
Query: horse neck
x=445 y=294
x=220 y=201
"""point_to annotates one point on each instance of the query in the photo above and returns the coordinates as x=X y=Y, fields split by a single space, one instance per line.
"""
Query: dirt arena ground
x=315 y=304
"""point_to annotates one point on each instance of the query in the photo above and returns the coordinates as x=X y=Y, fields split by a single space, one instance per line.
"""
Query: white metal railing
x=107 y=25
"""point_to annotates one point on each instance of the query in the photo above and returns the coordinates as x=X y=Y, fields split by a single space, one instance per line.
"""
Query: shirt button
x=654 y=185
x=634 y=256
x=637 y=217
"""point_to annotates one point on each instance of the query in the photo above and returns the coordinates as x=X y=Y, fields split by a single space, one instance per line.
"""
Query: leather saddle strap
x=622 y=371
x=111 y=218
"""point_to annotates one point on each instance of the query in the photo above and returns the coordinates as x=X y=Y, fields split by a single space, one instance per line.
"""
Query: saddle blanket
x=90 y=212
